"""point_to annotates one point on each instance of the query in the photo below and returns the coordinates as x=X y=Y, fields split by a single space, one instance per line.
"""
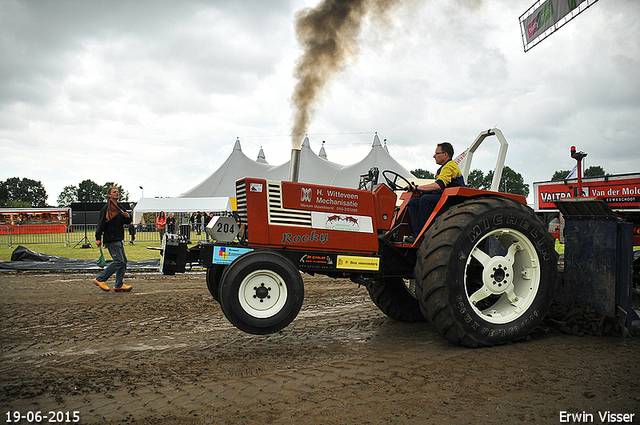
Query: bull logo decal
x=337 y=219
x=332 y=219
x=305 y=195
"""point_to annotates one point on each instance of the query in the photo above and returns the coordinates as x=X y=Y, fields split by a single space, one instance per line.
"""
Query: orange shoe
x=102 y=285
x=123 y=288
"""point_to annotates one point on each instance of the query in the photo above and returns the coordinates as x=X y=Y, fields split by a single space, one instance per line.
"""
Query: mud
x=165 y=354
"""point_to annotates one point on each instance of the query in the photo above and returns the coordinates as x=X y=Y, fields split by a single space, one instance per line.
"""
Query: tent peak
x=261 y=157
x=323 y=153
x=237 y=146
x=376 y=141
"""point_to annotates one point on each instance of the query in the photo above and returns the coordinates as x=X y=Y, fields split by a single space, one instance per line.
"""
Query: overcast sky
x=154 y=93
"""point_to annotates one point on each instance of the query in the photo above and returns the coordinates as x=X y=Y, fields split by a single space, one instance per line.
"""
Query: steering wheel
x=391 y=177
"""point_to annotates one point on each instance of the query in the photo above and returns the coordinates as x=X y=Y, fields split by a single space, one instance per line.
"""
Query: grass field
x=136 y=252
x=66 y=245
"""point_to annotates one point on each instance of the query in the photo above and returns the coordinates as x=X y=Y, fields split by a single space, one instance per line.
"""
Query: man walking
x=110 y=230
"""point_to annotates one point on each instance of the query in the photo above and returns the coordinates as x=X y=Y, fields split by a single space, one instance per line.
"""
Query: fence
x=24 y=234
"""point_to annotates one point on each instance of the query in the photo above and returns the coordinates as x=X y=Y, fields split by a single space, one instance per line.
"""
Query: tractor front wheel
x=261 y=292
x=486 y=272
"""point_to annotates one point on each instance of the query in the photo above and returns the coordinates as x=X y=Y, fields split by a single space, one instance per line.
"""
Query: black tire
x=486 y=272
x=214 y=275
x=393 y=298
x=261 y=292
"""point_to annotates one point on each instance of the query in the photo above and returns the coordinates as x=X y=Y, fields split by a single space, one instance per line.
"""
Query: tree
x=510 y=182
x=594 y=171
x=423 y=174
x=17 y=204
x=475 y=179
x=96 y=192
x=93 y=189
x=68 y=195
x=124 y=195
x=560 y=175
x=15 y=191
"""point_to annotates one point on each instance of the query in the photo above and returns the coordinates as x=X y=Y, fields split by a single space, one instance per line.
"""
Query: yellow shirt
x=449 y=175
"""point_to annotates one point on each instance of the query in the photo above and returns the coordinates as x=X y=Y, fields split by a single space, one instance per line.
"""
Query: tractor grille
x=282 y=216
x=241 y=200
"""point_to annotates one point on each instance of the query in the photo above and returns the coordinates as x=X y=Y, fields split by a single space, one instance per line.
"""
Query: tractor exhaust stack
x=294 y=169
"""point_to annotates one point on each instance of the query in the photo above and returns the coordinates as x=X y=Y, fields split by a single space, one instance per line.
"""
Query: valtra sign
x=620 y=192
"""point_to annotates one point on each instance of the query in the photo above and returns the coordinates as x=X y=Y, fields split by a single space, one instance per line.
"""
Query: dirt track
x=165 y=354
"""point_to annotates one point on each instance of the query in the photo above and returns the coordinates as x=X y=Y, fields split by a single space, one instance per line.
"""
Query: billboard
x=547 y=16
x=621 y=192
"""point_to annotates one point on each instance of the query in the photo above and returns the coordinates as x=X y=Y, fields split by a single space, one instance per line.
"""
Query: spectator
x=198 y=223
x=171 y=223
x=207 y=220
x=132 y=233
x=161 y=221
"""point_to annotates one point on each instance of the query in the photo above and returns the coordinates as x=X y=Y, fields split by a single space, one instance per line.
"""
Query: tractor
x=482 y=270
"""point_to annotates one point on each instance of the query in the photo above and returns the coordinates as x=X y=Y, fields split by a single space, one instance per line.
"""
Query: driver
x=448 y=175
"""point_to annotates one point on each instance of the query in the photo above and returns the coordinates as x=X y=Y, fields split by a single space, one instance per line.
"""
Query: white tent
x=313 y=169
x=223 y=181
x=180 y=205
x=378 y=156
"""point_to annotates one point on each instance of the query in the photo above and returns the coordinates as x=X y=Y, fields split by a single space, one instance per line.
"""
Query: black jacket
x=112 y=230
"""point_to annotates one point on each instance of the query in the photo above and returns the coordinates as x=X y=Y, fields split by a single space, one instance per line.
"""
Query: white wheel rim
x=262 y=293
x=509 y=281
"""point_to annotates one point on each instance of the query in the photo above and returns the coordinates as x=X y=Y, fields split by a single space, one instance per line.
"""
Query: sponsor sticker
x=226 y=254
x=358 y=263
x=255 y=187
x=320 y=198
x=342 y=222
x=317 y=261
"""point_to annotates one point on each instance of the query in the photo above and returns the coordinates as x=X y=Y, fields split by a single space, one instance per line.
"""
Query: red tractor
x=482 y=270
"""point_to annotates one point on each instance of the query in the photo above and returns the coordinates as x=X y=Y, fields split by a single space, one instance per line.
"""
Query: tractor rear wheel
x=486 y=272
x=261 y=292
x=393 y=298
